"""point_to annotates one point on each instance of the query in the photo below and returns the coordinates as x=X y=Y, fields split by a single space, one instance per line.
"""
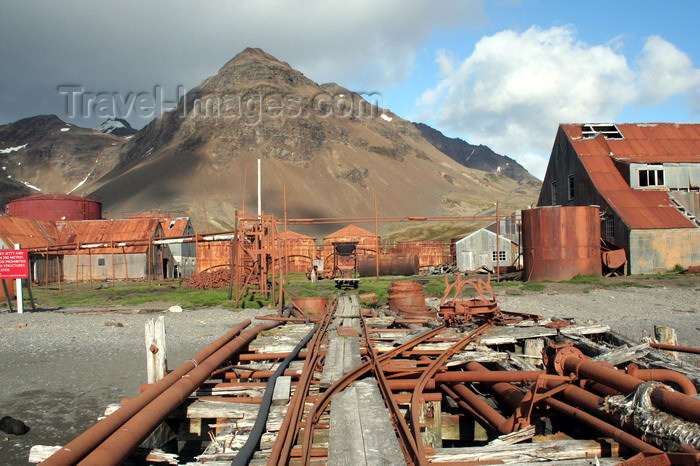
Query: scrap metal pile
x=469 y=383
x=210 y=279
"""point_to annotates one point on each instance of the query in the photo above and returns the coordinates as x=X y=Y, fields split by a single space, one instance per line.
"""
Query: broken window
x=609 y=227
x=572 y=187
x=554 y=193
x=501 y=256
x=653 y=177
x=608 y=130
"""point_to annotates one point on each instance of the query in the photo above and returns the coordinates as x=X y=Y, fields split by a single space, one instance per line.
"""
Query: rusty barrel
x=405 y=293
x=561 y=242
x=389 y=264
x=311 y=306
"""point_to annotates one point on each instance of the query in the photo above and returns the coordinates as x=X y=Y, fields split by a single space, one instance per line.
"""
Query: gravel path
x=62 y=370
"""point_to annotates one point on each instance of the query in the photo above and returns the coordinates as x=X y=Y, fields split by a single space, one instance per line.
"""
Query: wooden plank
x=561 y=450
x=429 y=416
x=334 y=361
x=624 y=354
x=514 y=437
x=506 y=334
x=217 y=409
x=361 y=432
x=283 y=387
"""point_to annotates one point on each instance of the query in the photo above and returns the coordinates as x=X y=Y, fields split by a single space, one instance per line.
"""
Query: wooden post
x=156 y=362
x=126 y=265
x=18 y=286
x=667 y=336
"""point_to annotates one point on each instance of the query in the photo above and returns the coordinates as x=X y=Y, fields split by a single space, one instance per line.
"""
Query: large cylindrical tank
x=430 y=253
x=389 y=264
x=561 y=242
x=55 y=207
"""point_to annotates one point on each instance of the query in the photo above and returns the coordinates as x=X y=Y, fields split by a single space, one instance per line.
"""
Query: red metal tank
x=430 y=253
x=55 y=207
x=561 y=242
x=389 y=264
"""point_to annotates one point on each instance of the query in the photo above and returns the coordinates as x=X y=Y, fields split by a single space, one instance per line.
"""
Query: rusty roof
x=29 y=233
x=106 y=231
x=646 y=142
x=173 y=227
x=293 y=235
x=351 y=231
x=639 y=209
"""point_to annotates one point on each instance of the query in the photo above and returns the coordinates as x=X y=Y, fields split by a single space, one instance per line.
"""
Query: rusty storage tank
x=297 y=251
x=561 y=242
x=389 y=264
x=55 y=207
x=405 y=293
x=367 y=242
x=430 y=253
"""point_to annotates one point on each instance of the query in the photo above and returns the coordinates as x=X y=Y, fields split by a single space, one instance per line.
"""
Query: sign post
x=15 y=264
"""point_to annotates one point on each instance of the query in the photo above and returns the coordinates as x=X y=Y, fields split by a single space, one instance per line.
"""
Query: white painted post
x=156 y=361
x=259 y=190
x=18 y=285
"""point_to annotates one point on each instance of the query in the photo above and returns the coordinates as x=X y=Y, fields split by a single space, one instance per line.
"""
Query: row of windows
x=501 y=256
x=572 y=189
x=654 y=177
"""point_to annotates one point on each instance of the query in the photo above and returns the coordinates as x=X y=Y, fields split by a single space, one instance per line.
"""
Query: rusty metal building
x=32 y=233
x=100 y=255
x=297 y=251
x=367 y=242
x=646 y=180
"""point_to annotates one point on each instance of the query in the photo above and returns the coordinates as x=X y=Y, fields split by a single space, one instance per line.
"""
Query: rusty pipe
x=117 y=447
x=77 y=448
x=496 y=419
x=674 y=402
x=601 y=426
x=665 y=376
x=680 y=349
x=510 y=394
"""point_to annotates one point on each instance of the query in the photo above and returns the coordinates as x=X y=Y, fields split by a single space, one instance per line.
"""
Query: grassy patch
x=585 y=280
x=533 y=286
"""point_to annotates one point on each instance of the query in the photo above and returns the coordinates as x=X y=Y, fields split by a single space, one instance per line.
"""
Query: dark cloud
x=131 y=46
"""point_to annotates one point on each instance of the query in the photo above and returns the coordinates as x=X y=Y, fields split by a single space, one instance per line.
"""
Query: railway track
x=351 y=386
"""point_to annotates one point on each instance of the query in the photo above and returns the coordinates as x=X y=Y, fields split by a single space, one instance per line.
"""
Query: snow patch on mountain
x=80 y=184
x=12 y=149
x=117 y=127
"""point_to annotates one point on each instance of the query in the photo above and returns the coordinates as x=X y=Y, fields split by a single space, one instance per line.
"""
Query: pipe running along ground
x=117 y=447
x=246 y=452
x=513 y=396
x=77 y=448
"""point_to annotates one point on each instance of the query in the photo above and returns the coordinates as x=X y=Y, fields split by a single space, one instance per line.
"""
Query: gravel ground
x=62 y=370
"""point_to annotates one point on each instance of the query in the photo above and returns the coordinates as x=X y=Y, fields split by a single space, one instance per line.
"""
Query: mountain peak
x=250 y=54
x=117 y=127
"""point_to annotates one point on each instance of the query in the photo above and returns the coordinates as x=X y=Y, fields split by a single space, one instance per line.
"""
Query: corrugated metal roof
x=639 y=209
x=350 y=231
x=29 y=233
x=173 y=227
x=647 y=142
x=105 y=231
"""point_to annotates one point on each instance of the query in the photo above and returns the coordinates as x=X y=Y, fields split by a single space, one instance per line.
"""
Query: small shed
x=367 y=242
x=479 y=249
x=114 y=250
x=184 y=254
x=297 y=251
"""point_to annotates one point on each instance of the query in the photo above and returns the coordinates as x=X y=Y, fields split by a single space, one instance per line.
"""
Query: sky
x=503 y=73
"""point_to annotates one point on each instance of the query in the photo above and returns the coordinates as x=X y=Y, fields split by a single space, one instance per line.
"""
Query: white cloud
x=516 y=87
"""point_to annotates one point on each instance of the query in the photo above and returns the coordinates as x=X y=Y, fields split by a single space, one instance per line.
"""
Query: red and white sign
x=14 y=263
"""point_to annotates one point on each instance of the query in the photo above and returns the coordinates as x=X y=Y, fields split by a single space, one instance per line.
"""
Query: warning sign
x=14 y=263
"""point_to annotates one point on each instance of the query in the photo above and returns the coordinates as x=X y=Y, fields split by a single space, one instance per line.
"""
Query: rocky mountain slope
x=117 y=127
x=45 y=154
x=333 y=149
x=475 y=156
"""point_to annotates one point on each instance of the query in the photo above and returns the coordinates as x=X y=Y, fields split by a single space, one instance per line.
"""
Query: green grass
x=533 y=286
x=585 y=280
